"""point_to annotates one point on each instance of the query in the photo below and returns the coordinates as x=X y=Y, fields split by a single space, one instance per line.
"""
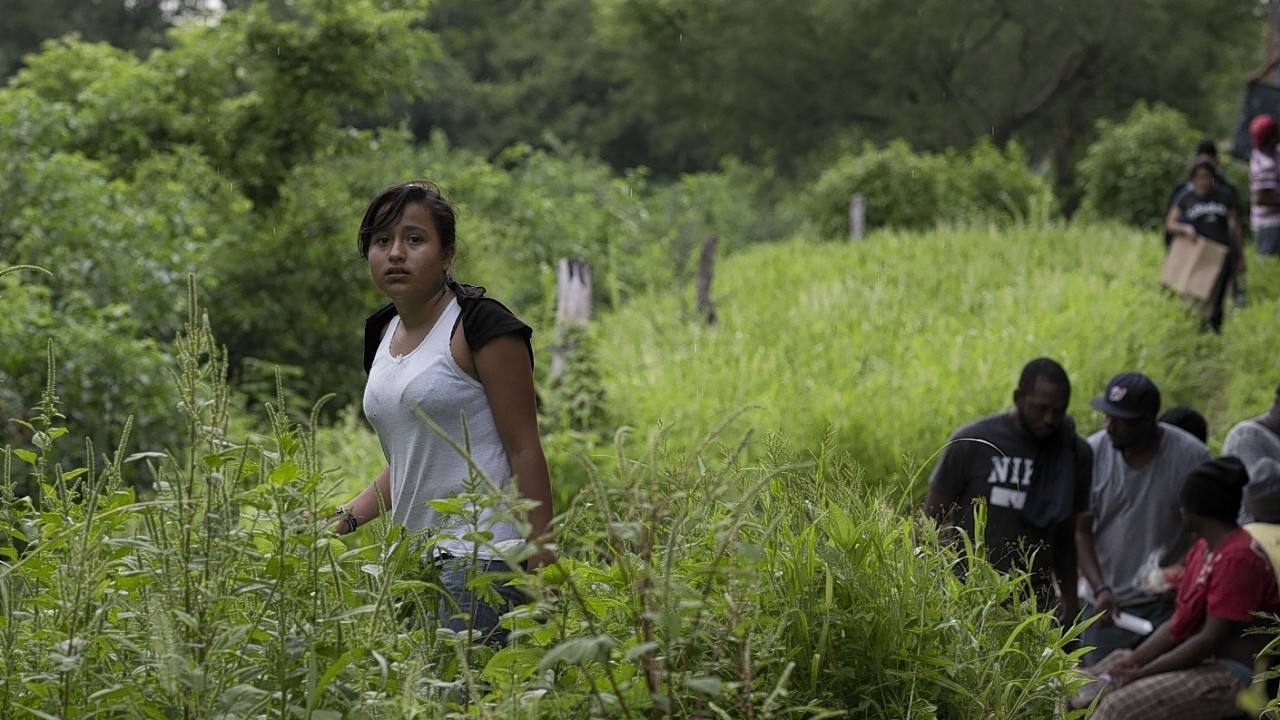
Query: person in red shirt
x=1195 y=664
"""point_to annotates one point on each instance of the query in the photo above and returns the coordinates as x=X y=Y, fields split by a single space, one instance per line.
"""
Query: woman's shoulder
x=485 y=318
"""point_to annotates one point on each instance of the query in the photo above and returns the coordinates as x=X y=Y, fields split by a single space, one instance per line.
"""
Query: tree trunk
x=707 y=271
x=573 y=308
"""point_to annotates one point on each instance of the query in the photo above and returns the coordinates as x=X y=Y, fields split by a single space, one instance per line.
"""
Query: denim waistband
x=1238 y=668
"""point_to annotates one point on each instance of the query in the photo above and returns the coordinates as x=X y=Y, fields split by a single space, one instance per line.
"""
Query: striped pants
x=1205 y=692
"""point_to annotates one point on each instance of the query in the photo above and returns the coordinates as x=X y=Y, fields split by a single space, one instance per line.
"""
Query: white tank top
x=424 y=466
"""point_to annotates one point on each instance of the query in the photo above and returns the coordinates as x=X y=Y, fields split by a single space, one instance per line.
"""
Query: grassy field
x=890 y=343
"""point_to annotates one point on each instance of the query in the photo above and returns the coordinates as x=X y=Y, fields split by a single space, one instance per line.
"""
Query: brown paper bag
x=1191 y=267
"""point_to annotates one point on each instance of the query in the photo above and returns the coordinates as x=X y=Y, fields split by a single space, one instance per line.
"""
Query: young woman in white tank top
x=461 y=360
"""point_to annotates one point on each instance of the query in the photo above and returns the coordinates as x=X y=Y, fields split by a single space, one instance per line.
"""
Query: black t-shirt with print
x=1208 y=214
x=993 y=460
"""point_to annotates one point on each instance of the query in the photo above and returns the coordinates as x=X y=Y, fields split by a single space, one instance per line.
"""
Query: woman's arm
x=1173 y=223
x=368 y=504
x=504 y=368
x=1192 y=651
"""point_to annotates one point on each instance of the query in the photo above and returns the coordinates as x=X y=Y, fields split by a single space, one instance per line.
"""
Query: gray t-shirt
x=1259 y=449
x=1136 y=512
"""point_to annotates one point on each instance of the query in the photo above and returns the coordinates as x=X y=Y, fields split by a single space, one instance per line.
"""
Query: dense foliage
x=679 y=86
x=688 y=584
x=910 y=190
x=1128 y=173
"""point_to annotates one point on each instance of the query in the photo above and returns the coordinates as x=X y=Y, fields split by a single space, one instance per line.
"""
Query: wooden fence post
x=857 y=216
x=573 y=308
x=707 y=271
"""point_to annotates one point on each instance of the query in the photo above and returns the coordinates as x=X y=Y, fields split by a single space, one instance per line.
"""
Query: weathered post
x=857 y=216
x=573 y=308
x=706 y=272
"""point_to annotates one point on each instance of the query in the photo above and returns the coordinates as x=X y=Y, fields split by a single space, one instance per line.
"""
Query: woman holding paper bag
x=1206 y=212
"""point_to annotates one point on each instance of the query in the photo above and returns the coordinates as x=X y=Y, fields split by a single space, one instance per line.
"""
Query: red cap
x=1262 y=128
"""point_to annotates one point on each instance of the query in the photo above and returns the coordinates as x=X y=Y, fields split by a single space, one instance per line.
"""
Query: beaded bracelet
x=345 y=516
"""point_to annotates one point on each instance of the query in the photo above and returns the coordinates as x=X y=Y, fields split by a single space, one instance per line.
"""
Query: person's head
x=1188 y=419
x=1263 y=131
x=1213 y=491
x=1201 y=177
x=1131 y=403
x=1207 y=150
x=1041 y=398
x=388 y=206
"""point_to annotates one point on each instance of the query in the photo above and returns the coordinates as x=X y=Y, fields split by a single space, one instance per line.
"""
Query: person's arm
x=947 y=481
x=1264 y=69
x=1235 y=237
x=1104 y=600
x=1165 y=656
x=1173 y=223
x=504 y=368
x=1065 y=568
x=368 y=505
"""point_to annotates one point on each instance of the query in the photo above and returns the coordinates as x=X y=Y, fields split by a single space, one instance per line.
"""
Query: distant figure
x=1264 y=185
x=1194 y=665
x=1032 y=470
x=1257 y=443
x=1206 y=151
x=1133 y=523
x=1189 y=419
x=1207 y=211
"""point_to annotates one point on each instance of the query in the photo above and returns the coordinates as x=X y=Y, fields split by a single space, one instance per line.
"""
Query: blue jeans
x=462 y=606
x=1268 y=239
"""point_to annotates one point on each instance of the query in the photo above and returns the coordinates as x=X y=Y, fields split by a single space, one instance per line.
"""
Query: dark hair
x=1215 y=488
x=1188 y=419
x=1207 y=147
x=1042 y=367
x=1205 y=164
x=388 y=205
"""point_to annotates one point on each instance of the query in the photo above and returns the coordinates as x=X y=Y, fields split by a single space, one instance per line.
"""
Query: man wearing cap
x=1133 y=521
x=1264 y=184
x=1031 y=470
x=1194 y=665
x=1257 y=443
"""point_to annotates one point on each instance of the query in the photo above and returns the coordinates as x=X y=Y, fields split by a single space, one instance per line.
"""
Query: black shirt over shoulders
x=483 y=318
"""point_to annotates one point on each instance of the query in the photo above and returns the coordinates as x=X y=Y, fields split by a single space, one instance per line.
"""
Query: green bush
x=908 y=190
x=903 y=189
x=1127 y=173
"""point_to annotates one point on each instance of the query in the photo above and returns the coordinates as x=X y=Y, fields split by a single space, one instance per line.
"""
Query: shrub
x=908 y=190
x=903 y=189
x=1127 y=173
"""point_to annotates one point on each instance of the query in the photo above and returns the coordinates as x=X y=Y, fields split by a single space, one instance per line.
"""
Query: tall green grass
x=891 y=343
x=691 y=583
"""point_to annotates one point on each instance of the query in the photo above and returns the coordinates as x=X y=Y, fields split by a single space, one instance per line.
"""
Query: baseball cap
x=1129 y=396
x=1262 y=128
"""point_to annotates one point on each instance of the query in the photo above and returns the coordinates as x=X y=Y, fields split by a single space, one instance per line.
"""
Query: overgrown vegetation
x=892 y=343
x=689 y=584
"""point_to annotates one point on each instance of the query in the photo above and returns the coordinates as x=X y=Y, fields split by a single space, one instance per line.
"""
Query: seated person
x=1195 y=665
x=1189 y=419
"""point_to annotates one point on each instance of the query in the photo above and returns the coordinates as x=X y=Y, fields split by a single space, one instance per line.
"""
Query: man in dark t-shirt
x=1033 y=472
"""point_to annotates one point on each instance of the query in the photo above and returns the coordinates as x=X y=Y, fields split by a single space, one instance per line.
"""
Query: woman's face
x=1203 y=181
x=407 y=261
